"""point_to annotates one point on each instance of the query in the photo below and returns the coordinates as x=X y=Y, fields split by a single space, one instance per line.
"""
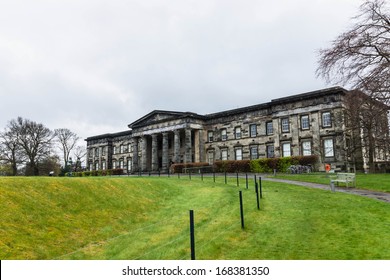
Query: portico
x=159 y=141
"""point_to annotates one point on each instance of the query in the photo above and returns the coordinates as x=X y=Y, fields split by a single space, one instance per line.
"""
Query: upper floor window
x=210 y=136
x=223 y=134
x=122 y=149
x=237 y=132
x=305 y=124
x=326 y=119
x=270 y=128
x=253 y=130
x=285 y=125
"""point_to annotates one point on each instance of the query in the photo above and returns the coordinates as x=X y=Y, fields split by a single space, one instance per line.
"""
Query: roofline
x=277 y=101
x=109 y=135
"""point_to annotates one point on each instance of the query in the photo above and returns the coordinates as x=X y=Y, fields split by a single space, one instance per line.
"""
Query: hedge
x=107 y=172
x=179 y=167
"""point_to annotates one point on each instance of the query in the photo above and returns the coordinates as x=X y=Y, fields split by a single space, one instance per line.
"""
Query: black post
x=214 y=175
x=238 y=182
x=189 y=174
x=201 y=175
x=241 y=210
x=255 y=181
x=261 y=189
x=192 y=235
x=159 y=172
x=257 y=196
x=246 y=180
x=225 y=178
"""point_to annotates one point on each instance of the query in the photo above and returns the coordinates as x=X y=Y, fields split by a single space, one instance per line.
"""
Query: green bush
x=267 y=165
x=178 y=167
x=231 y=166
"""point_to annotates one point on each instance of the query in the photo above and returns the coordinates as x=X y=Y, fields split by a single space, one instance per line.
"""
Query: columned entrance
x=159 y=150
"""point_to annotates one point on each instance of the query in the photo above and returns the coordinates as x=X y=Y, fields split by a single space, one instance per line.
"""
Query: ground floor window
x=328 y=148
x=210 y=157
x=286 y=149
x=224 y=154
x=129 y=165
x=254 y=152
x=103 y=165
x=238 y=152
x=306 y=148
x=270 y=151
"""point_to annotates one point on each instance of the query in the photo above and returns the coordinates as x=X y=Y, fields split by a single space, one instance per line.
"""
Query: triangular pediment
x=159 y=116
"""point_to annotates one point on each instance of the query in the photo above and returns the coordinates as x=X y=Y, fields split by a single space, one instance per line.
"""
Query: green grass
x=375 y=182
x=147 y=218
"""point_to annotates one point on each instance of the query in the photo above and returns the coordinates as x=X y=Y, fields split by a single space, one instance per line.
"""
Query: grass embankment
x=374 y=182
x=147 y=218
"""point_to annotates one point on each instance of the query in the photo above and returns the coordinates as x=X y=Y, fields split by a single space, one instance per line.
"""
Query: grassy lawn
x=375 y=182
x=147 y=218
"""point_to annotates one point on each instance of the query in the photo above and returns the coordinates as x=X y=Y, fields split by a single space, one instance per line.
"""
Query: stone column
x=144 y=144
x=188 y=146
x=154 y=152
x=196 y=145
x=176 y=149
x=165 y=146
x=135 y=154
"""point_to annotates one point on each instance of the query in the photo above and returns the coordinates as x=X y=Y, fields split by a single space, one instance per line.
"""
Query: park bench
x=347 y=178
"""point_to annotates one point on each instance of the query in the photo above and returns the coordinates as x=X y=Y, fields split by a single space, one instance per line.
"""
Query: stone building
x=311 y=123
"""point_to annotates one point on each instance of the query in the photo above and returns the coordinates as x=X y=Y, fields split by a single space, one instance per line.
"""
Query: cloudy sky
x=94 y=66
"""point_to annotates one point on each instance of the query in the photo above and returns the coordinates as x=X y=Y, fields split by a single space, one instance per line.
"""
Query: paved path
x=372 y=194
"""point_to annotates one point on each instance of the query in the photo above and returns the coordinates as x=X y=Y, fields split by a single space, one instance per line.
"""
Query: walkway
x=372 y=194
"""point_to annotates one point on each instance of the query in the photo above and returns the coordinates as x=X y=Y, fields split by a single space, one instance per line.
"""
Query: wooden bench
x=347 y=178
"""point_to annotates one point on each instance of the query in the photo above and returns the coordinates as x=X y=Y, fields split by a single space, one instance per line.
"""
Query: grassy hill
x=147 y=218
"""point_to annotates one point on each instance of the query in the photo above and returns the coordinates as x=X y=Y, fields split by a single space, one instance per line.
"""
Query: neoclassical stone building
x=311 y=123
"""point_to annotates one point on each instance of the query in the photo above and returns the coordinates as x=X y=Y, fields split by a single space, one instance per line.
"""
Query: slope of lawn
x=375 y=182
x=147 y=218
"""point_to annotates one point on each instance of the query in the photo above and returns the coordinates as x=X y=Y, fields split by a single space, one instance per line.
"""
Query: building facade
x=312 y=123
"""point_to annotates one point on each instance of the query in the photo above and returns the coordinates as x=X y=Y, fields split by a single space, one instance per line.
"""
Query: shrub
x=267 y=165
x=179 y=167
x=231 y=166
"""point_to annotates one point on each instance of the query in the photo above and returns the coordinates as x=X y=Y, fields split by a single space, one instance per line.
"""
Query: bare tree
x=79 y=153
x=67 y=140
x=35 y=141
x=360 y=57
x=10 y=153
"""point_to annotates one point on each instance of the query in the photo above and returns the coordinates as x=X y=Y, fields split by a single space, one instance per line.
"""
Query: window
x=238 y=153
x=328 y=148
x=96 y=152
x=270 y=151
x=305 y=124
x=210 y=157
x=270 y=128
x=113 y=164
x=254 y=152
x=103 y=165
x=286 y=149
x=224 y=154
x=129 y=148
x=237 y=132
x=121 y=165
x=129 y=164
x=223 y=135
x=90 y=166
x=285 y=125
x=122 y=149
x=103 y=151
x=210 y=136
x=326 y=119
x=114 y=150
x=253 y=130
x=97 y=165
x=306 y=148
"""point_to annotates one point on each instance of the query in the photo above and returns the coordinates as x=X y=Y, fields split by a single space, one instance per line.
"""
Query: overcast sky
x=94 y=66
